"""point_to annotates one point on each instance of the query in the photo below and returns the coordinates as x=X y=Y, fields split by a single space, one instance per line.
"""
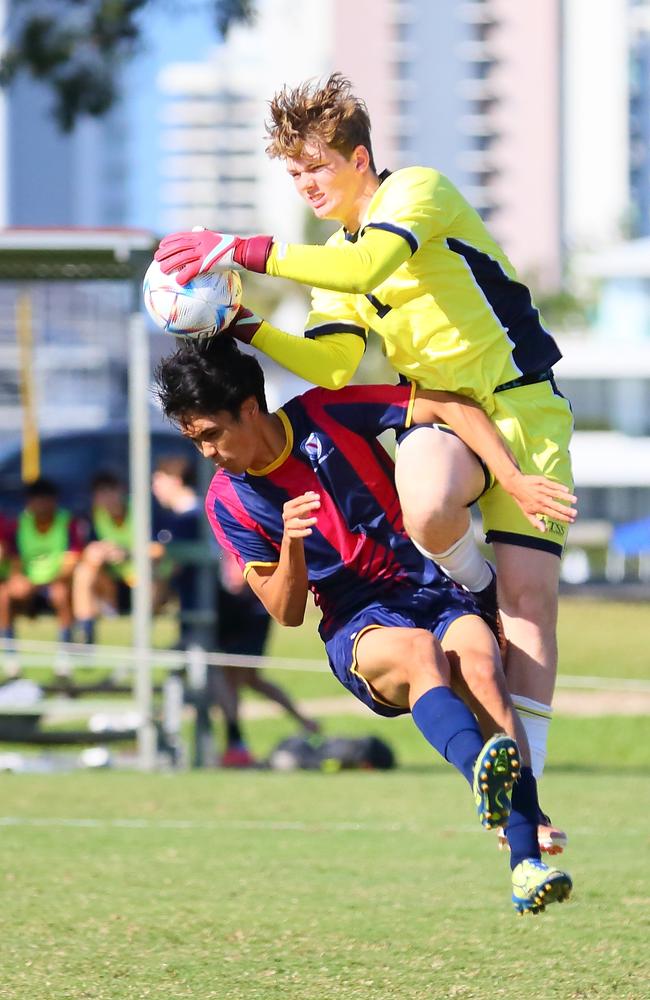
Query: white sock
x=463 y=562
x=535 y=718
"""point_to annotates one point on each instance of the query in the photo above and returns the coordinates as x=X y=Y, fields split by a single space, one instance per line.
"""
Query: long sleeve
x=329 y=361
x=356 y=268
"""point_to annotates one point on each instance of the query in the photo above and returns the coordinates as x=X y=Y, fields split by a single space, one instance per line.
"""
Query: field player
x=414 y=262
x=305 y=498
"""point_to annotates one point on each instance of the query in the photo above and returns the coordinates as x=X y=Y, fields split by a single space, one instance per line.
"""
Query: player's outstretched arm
x=351 y=267
x=283 y=589
x=537 y=496
x=328 y=361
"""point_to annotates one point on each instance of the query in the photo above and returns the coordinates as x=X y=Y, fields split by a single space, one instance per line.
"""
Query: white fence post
x=140 y=477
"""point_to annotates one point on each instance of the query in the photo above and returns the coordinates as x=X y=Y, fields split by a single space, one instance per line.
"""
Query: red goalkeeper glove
x=244 y=326
x=189 y=254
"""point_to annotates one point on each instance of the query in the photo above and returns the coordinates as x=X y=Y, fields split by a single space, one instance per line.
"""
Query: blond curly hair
x=318 y=112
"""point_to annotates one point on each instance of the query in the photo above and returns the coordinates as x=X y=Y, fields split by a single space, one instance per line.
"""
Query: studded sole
x=495 y=771
x=555 y=889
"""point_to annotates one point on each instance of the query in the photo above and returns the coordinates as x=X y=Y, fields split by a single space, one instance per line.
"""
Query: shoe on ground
x=535 y=885
x=488 y=606
x=237 y=756
x=496 y=768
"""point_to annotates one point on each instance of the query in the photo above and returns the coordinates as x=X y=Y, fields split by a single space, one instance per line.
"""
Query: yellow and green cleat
x=535 y=885
x=496 y=768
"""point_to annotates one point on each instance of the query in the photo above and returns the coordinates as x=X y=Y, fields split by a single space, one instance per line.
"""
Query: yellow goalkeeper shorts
x=537 y=423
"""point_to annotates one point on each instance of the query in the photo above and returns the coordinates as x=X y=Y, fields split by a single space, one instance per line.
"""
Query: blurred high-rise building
x=212 y=165
x=539 y=111
x=596 y=133
x=478 y=97
x=448 y=85
x=640 y=117
x=58 y=179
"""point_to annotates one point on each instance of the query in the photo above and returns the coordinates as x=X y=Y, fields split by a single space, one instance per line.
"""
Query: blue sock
x=87 y=626
x=521 y=830
x=449 y=726
x=8 y=633
x=65 y=634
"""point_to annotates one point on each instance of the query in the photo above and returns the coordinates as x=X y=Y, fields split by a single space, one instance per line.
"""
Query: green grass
x=573 y=742
x=255 y=886
x=603 y=638
x=258 y=886
x=596 y=637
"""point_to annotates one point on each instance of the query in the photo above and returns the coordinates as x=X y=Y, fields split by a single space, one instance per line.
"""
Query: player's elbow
x=361 y=285
x=337 y=378
x=290 y=618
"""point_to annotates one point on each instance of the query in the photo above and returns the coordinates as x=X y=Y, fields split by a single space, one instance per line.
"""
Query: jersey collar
x=284 y=454
x=353 y=237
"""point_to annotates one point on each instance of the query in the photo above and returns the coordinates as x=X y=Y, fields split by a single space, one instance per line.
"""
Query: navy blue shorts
x=425 y=608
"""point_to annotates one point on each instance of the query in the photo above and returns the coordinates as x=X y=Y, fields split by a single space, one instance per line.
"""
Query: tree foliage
x=76 y=47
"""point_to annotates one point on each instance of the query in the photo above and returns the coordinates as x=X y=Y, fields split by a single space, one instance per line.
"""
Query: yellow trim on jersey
x=354 y=668
x=252 y=565
x=284 y=454
x=409 y=410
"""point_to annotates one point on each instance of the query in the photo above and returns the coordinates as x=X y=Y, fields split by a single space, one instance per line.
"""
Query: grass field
x=260 y=885
x=256 y=885
x=597 y=638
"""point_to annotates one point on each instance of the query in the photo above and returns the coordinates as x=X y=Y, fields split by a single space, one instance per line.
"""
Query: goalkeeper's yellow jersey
x=424 y=273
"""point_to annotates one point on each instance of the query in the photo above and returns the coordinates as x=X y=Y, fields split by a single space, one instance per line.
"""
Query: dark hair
x=41 y=488
x=203 y=377
x=324 y=112
x=107 y=480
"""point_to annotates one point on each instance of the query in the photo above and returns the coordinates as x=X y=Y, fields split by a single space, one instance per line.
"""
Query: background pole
x=31 y=455
x=140 y=479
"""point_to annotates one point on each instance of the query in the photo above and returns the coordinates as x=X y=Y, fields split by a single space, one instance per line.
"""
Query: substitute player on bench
x=306 y=500
x=414 y=262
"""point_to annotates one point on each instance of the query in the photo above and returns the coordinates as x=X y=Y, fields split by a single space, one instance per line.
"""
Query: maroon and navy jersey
x=358 y=552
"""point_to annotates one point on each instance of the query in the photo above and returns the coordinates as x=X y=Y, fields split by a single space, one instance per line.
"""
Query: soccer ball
x=201 y=308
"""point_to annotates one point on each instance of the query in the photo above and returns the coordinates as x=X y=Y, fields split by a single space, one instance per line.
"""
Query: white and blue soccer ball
x=201 y=308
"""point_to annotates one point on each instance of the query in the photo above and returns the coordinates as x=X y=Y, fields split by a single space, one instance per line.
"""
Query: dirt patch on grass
x=571 y=703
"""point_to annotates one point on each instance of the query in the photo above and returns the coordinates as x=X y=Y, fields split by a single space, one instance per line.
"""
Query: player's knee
x=20 y=588
x=480 y=670
x=422 y=516
x=530 y=602
x=424 y=658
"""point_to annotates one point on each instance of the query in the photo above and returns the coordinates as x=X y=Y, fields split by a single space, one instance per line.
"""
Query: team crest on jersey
x=312 y=447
